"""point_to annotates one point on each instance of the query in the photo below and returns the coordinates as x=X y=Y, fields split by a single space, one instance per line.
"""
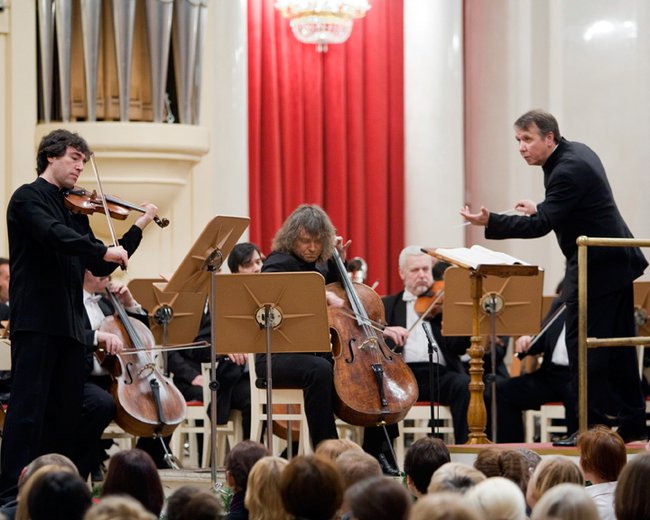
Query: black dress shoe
x=388 y=469
x=567 y=442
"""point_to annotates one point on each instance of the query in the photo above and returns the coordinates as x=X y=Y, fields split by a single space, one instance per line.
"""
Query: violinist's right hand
x=399 y=335
x=522 y=344
x=111 y=342
x=117 y=255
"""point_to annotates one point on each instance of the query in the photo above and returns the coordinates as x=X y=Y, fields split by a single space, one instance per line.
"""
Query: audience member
x=263 y=499
x=311 y=488
x=178 y=500
x=133 y=472
x=510 y=464
x=566 y=502
x=203 y=506
x=119 y=507
x=355 y=466
x=602 y=457
x=549 y=473
x=239 y=463
x=443 y=506
x=25 y=490
x=332 y=448
x=455 y=477
x=58 y=495
x=498 y=498
x=422 y=459
x=378 y=498
x=632 y=500
x=532 y=459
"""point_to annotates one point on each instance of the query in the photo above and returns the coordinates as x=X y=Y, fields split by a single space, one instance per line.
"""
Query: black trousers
x=314 y=374
x=46 y=401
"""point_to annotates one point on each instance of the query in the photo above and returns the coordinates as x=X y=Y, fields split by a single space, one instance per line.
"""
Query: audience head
x=58 y=495
x=311 y=488
x=203 y=506
x=119 y=507
x=378 y=498
x=245 y=258
x=510 y=464
x=332 y=448
x=307 y=233
x=178 y=500
x=422 y=458
x=134 y=473
x=443 y=506
x=263 y=499
x=355 y=465
x=602 y=454
x=532 y=459
x=549 y=473
x=455 y=477
x=415 y=270
x=498 y=498
x=48 y=459
x=566 y=502
x=26 y=489
x=631 y=501
x=241 y=460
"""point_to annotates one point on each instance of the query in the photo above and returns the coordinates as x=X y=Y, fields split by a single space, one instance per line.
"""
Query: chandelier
x=322 y=22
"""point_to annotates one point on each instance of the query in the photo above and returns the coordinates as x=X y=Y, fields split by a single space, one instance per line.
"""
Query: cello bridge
x=147 y=370
x=371 y=343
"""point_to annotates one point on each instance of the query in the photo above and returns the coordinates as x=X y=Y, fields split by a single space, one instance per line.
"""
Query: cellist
x=50 y=249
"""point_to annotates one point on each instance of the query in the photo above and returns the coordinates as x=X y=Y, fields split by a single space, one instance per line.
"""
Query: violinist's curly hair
x=315 y=222
x=55 y=144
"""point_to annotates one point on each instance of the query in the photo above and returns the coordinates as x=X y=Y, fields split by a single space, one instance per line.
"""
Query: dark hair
x=422 y=458
x=59 y=495
x=314 y=221
x=134 y=473
x=438 y=270
x=3 y=260
x=602 y=451
x=55 y=144
x=203 y=506
x=311 y=488
x=241 y=460
x=241 y=254
x=178 y=500
x=510 y=464
x=544 y=121
x=631 y=501
x=379 y=498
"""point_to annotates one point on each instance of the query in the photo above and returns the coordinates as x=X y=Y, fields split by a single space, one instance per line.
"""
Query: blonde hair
x=443 y=506
x=498 y=497
x=22 y=511
x=454 y=477
x=551 y=472
x=263 y=499
x=566 y=502
x=332 y=448
x=119 y=507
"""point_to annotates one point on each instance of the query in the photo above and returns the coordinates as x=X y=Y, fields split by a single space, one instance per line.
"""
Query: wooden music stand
x=270 y=312
x=481 y=304
x=642 y=308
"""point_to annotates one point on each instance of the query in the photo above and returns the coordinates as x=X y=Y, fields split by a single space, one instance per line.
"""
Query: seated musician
x=451 y=383
x=232 y=374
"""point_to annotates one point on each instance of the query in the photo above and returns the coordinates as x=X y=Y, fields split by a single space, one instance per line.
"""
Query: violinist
x=451 y=382
x=50 y=249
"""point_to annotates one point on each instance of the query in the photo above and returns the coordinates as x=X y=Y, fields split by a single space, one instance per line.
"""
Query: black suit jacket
x=451 y=346
x=578 y=201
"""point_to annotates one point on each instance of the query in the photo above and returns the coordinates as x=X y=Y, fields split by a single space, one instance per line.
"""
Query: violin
x=430 y=303
x=80 y=200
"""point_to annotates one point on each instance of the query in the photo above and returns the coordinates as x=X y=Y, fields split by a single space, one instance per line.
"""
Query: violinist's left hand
x=399 y=335
x=144 y=220
x=341 y=247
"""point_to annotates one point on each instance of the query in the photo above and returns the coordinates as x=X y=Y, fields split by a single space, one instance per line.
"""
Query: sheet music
x=478 y=255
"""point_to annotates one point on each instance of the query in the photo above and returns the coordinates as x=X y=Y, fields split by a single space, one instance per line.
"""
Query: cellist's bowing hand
x=117 y=255
x=237 y=359
x=333 y=300
x=399 y=335
x=145 y=219
x=341 y=247
x=112 y=343
x=477 y=219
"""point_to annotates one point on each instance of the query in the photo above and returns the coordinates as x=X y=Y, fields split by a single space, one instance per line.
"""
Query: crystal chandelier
x=322 y=22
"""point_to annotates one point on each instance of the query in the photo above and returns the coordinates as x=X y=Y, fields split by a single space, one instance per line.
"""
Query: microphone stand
x=431 y=348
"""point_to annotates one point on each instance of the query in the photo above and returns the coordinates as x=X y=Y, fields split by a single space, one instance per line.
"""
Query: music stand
x=271 y=312
x=642 y=308
x=480 y=306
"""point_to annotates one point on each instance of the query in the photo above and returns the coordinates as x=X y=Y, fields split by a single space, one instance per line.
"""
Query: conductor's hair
x=55 y=144
x=544 y=121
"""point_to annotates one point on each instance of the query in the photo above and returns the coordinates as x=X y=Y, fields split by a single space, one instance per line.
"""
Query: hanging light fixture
x=322 y=22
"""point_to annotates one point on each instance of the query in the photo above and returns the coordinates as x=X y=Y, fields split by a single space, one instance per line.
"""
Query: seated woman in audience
x=33 y=482
x=565 y=502
x=549 y=473
x=454 y=477
x=378 y=498
x=263 y=499
x=311 y=488
x=422 y=459
x=510 y=464
x=443 y=506
x=178 y=500
x=602 y=457
x=239 y=463
x=133 y=473
x=355 y=466
x=632 y=500
x=119 y=507
x=332 y=448
x=58 y=495
x=498 y=498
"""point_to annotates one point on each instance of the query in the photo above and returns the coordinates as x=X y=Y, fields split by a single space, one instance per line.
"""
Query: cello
x=374 y=386
x=148 y=404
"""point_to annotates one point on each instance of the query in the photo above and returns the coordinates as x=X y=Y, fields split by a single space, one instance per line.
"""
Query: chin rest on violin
x=431 y=301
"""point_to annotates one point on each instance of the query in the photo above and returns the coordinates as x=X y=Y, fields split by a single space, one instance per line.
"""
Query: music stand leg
x=493 y=374
x=214 y=385
x=476 y=412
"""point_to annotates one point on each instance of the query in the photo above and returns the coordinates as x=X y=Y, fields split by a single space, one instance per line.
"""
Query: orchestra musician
x=50 y=249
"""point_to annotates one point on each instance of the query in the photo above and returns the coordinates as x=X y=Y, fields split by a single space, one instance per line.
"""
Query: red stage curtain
x=328 y=128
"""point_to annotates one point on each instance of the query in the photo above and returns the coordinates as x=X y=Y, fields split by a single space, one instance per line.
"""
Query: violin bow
x=161 y=348
x=431 y=305
x=556 y=315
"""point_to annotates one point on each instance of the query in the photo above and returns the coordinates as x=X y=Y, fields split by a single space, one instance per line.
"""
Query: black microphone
x=430 y=338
